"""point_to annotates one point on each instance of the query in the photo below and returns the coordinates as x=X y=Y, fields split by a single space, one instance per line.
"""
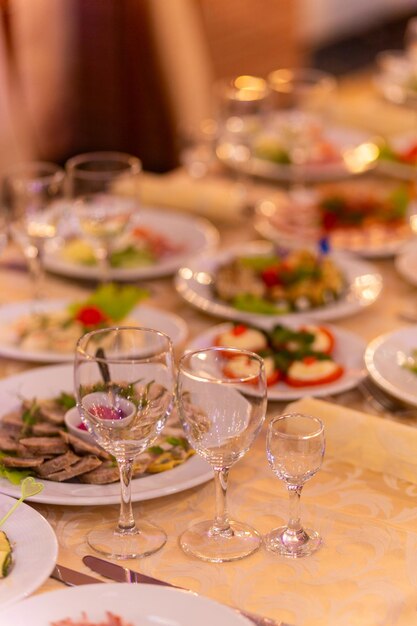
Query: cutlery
x=119 y=573
x=381 y=399
x=71 y=578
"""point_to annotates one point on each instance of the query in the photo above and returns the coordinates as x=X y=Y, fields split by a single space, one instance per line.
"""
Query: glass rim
x=305 y=437
x=51 y=171
x=131 y=162
x=229 y=87
x=222 y=379
x=81 y=351
x=284 y=76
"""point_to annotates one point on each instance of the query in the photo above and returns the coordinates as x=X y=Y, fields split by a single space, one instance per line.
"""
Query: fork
x=380 y=399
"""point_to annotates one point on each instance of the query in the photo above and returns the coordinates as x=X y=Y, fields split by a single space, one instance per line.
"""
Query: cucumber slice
x=5 y=554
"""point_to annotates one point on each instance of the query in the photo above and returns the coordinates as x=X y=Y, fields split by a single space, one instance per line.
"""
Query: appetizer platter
x=157 y=243
x=261 y=285
x=34 y=440
x=301 y=358
x=391 y=363
x=295 y=146
x=50 y=335
x=398 y=156
x=34 y=551
x=121 y=604
x=371 y=219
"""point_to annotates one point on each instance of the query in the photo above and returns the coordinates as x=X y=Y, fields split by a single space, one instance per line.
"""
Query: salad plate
x=336 y=152
x=390 y=360
x=372 y=220
x=35 y=550
x=195 y=282
x=50 y=382
x=144 y=605
x=13 y=315
x=348 y=352
x=398 y=156
x=157 y=245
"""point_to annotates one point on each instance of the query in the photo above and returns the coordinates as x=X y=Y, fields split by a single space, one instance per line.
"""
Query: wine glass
x=124 y=384
x=299 y=108
x=241 y=104
x=104 y=187
x=295 y=449
x=221 y=395
x=32 y=193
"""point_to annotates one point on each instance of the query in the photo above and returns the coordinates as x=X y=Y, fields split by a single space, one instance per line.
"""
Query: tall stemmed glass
x=221 y=395
x=104 y=187
x=124 y=385
x=241 y=104
x=32 y=195
x=295 y=449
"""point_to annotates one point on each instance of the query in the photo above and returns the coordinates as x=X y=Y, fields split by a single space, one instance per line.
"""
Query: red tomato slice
x=329 y=336
x=330 y=378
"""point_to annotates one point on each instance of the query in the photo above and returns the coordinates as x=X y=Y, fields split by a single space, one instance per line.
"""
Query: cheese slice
x=309 y=372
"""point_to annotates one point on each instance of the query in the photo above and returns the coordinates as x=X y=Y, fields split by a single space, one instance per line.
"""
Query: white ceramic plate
x=352 y=161
x=194 y=281
x=35 y=550
x=47 y=382
x=370 y=242
x=348 y=352
x=141 y=605
x=383 y=358
x=189 y=233
x=406 y=263
x=145 y=316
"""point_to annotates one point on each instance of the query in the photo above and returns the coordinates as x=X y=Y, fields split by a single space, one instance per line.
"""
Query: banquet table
x=366 y=571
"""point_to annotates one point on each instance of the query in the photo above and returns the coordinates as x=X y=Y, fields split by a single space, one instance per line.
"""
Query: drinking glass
x=241 y=104
x=295 y=448
x=32 y=194
x=221 y=395
x=299 y=109
x=104 y=187
x=124 y=384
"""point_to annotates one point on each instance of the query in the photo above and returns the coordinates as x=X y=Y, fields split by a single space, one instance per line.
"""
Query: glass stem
x=294 y=522
x=221 y=520
x=126 y=519
x=36 y=269
x=102 y=254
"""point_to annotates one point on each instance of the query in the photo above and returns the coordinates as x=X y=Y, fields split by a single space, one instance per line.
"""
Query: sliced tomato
x=326 y=332
x=273 y=375
x=273 y=378
x=336 y=373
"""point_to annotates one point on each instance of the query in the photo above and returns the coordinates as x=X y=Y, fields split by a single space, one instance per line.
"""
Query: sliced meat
x=86 y=464
x=44 y=445
x=13 y=421
x=105 y=474
x=57 y=464
x=8 y=444
x=50 y=411
x=45 y=429
x=82 y=447
x=21 y=462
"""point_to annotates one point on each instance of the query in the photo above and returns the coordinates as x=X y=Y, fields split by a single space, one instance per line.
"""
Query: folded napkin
x=364 y=440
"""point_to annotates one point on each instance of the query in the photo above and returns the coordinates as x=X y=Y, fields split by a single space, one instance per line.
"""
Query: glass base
x=292 y=544
x=202 y=541
x=143 y=540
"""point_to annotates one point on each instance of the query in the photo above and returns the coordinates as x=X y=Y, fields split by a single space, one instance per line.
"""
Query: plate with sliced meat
x=301 y=358
x=34 y=440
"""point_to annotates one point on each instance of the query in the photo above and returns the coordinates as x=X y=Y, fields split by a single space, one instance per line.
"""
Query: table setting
x=171 y=384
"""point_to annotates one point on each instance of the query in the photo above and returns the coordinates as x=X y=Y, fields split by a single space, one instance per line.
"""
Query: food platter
x=35 y=550
x=355 y=150
x=142 y=315
x=48 y=382
x=385 y=359
x=194 y=282
x=349 y=351
x=186 y=235
x=145 y=605
x=368 y=219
